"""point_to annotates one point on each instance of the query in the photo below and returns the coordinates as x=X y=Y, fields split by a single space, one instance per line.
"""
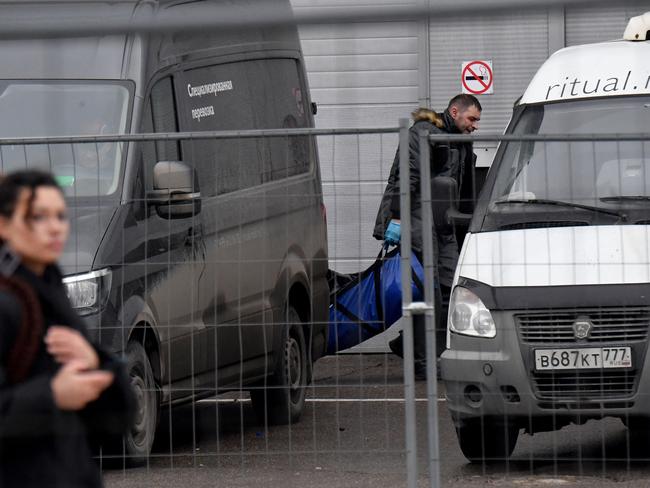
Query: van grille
x=580 y=386
x=620 y=324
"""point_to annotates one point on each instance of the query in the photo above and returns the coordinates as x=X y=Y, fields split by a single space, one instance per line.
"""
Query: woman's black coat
x=41 y=445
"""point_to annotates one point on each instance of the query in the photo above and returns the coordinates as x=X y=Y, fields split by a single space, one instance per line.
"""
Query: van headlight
x=88 y=292
x=468 y=315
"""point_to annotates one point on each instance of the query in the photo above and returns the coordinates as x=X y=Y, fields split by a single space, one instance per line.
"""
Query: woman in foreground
x=60 y=395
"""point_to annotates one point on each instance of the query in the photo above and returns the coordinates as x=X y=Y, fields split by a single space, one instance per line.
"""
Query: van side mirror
x=176 y=192
x=444 y=195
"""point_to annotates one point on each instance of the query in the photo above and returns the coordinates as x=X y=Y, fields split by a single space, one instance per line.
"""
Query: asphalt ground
x=352 y=435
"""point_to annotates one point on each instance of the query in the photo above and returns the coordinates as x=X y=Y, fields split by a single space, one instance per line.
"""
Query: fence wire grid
x=236 y=274
x=211 y=349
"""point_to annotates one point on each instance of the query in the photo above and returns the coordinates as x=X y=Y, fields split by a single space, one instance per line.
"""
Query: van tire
x=487 y=440
x=138 y=441
x=282 y=400
x=639 y=435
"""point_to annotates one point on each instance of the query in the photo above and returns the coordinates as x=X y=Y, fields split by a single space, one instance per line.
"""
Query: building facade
x=372 y=74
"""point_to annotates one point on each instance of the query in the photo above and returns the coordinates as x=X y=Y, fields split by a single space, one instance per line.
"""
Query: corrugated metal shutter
x=517 y=44
x=361 y=75
x=585 y=25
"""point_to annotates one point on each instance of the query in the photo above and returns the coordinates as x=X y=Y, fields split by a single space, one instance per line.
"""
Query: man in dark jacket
x=453 y=159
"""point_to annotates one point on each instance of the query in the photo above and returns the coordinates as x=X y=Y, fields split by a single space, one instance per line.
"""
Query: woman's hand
x=67 y=345
x=73 y=387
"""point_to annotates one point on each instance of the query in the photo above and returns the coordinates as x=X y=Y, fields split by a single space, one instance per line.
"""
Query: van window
x=159 y=116
x=258 y=94
x=604 y=174
x=289 y=155
x=163 y=109
x=54 y=108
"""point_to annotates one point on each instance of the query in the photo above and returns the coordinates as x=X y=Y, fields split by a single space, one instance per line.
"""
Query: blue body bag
x=365 y=304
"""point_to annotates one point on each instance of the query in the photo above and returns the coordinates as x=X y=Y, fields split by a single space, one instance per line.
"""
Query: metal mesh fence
x=190 y=283
x=236 y=274
x=548 y=318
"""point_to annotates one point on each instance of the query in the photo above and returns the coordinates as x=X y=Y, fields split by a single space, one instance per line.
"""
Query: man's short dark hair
x=465 y=101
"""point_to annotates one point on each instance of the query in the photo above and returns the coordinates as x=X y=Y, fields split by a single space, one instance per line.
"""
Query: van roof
x=85 y=58
x=67 y=58
x=122 y=56
x=612 y=68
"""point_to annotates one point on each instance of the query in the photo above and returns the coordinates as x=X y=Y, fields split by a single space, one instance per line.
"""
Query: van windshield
x=66 y=108
x=595 y=182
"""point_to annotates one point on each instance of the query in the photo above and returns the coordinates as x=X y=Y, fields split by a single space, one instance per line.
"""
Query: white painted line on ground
x=322 y=400
x=365 y=400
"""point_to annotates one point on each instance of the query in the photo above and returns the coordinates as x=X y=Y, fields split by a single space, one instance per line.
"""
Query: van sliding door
x=173 y=257
x=245 y=209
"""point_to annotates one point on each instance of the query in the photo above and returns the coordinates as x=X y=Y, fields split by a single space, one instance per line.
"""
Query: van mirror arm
x=444 y=194
x=174 y=204
x=454 y=216
x=169 y=197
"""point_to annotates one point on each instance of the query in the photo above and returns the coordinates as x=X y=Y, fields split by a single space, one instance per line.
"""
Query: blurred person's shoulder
x=10 y=320
x=10 y=305
x=10 y=310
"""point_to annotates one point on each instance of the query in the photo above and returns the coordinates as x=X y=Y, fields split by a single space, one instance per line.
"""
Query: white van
x=550 y=310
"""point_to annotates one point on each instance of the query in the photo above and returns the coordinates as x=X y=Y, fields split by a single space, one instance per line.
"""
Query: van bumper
x=491 y=378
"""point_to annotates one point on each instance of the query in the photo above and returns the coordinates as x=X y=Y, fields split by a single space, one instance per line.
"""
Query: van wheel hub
x=294 y=364
x=139 y=389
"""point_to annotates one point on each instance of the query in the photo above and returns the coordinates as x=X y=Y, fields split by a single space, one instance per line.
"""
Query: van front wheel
x=283 y=399
x=487 y=440
x=638 y=431
x=139 y=439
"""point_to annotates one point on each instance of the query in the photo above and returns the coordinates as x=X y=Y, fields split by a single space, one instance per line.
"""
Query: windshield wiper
x=627 y=198
x=559 y=203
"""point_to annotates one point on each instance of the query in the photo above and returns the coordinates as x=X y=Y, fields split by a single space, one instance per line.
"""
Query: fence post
x=429 y=263
x=409 y=367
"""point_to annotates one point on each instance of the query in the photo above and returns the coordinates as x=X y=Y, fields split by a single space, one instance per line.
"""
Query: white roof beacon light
x=638 y=28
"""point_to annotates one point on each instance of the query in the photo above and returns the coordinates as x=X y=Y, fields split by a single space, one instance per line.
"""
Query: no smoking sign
x=477 y=78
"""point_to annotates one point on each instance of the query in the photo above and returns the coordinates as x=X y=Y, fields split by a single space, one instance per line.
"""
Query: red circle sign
x=471 y=70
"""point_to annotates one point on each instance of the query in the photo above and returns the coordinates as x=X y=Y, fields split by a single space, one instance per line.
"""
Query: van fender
x=293 y=272
x=135 y=312
x=293 y=282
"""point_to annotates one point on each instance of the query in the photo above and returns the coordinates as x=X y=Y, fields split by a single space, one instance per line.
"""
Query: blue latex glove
x=392 y=234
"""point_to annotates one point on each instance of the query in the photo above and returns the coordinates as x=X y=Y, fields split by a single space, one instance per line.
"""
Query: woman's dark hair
x=13 y=183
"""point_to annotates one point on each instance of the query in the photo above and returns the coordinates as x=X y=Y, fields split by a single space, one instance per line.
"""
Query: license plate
x=585 y=358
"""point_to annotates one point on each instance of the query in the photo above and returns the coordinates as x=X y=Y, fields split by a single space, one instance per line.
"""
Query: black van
x=204 y=260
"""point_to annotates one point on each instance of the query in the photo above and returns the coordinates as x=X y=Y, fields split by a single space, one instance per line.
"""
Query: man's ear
x=453 y=111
